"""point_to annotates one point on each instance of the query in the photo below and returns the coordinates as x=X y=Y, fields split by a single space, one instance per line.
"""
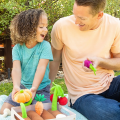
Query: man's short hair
x=96 y=5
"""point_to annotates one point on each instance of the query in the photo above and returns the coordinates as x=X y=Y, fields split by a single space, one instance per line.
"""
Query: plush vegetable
x=51 y=97
x=88 y=64
x=19 y=113
x=23 y=96
x=33 y=115
x=24 y=114
x=55 y=113
x=39 y=105
x=58 y=91
x=47 y=115
x=6 y=112
x=63 y=100
x=60 y=116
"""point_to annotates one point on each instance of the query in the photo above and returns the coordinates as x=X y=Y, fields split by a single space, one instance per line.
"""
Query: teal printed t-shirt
x=29 y=59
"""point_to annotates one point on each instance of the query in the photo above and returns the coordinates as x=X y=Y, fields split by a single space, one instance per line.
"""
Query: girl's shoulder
x=45 y=43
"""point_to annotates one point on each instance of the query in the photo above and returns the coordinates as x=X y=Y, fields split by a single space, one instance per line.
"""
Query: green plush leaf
x=42 y=96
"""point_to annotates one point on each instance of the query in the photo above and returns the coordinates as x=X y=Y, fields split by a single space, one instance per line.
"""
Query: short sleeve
x=46 y=51
x=15 y=53
x=56 y=36
x=116 y=44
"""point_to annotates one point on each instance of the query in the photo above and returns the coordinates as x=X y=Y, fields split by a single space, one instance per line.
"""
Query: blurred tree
x=54 y=8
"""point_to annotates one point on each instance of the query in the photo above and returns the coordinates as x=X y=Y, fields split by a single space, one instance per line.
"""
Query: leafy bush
x=6 y=88
x=113 y=8
x=55 y=9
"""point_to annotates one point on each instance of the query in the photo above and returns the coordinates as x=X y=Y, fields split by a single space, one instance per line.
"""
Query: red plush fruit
x=51 y=97
x=63 y=100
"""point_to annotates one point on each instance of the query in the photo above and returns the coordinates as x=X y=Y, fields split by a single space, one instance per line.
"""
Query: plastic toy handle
x=93 y=68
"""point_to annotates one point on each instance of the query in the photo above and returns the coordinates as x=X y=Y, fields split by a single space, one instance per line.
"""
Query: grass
x=6 y=88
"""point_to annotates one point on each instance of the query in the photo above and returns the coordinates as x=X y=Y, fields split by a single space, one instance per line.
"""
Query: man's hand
x=95 y=62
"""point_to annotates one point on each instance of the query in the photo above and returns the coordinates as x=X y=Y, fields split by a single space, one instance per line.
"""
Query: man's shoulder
x=64 y=20
x=111 y=19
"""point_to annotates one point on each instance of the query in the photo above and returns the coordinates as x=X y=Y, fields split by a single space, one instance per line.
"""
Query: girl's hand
x=14 y=91
x=33 y=90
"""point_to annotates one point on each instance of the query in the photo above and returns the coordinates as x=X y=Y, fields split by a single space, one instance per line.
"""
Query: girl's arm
x=16 y=76
x=40 y=72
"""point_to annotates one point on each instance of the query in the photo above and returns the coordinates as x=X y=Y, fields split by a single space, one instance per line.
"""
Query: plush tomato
x=51 y=97
x=63 y=100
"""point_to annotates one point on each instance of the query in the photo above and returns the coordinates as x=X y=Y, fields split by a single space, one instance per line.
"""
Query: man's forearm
x=54 y=66
x=111 y=64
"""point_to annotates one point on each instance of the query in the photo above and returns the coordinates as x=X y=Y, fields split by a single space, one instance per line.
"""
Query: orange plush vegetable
x=23 y=96
x=33 y=115
x=47 y=115
x=39 y=104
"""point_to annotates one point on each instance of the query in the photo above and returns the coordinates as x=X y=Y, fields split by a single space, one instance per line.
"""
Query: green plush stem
x=54 y=101
x=92 y=68
x=58 y=91
x=21 y=91
x=24 y=114
x=28 y=103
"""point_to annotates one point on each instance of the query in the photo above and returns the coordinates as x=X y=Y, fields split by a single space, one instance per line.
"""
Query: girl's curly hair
x=24 y=25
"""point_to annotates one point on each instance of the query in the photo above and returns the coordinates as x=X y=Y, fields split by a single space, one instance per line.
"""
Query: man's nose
x=77 y=21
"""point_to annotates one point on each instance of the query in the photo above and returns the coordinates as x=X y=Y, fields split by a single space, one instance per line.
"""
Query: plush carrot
x=54 y=113
x=33 y=115
x=47 y=115
x=39 y=105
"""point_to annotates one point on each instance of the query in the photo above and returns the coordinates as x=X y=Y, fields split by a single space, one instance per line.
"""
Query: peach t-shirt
x=78 y=45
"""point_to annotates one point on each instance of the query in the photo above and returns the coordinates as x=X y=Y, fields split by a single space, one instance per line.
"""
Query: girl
x=31 y=55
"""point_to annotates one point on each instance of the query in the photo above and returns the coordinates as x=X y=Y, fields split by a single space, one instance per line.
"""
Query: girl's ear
x=100 y=15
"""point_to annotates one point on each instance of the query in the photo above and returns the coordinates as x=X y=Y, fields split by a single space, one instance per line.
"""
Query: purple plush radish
x=87 y=63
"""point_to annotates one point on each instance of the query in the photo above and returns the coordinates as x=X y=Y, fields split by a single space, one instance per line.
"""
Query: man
x=89 y=34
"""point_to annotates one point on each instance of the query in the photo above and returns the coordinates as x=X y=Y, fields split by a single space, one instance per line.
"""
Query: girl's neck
x=31 y=44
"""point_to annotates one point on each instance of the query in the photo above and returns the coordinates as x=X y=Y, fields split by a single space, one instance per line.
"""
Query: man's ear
x=100 y=14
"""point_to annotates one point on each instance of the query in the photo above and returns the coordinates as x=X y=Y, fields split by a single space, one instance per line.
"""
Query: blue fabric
x=105 y=106
x=78 y=115
x=2 y=99
x=29 y=59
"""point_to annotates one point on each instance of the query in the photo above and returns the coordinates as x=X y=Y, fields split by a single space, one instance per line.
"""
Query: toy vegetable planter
x=58 y=91
x=21 y=97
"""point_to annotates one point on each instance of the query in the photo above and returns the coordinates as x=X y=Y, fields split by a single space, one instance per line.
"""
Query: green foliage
x=55 y=9
x=113 y=8
x=61 y=82
x=117 y=73
x=6 y=88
